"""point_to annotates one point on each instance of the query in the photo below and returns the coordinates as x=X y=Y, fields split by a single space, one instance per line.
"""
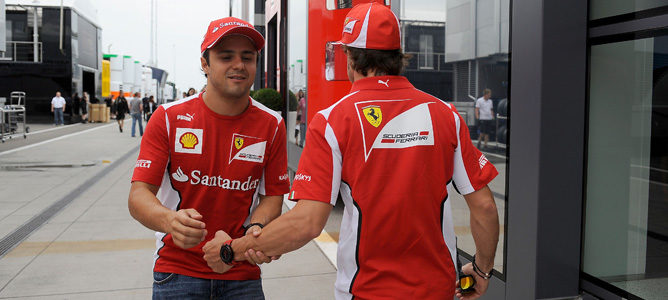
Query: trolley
x=13 y=117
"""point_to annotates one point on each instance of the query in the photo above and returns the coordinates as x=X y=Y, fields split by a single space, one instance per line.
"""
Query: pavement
x=66 y=233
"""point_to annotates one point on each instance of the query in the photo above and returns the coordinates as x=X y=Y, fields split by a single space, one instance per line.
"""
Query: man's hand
x=187 y=228
x=257 y=257
x=480 y=287
x=212 y=252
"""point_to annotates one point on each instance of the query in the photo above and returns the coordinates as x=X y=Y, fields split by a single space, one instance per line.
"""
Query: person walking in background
x=144 y=103
x=301 y=117
x=57 y=108
x=150 y=108
x=85 y=101
x=136 y=112
x=112 y=108
x=76 y=104
x=121 y=109
x=484 y=112
x=191 y=91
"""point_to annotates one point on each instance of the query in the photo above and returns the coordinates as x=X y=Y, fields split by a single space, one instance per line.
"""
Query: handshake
x=188 y=230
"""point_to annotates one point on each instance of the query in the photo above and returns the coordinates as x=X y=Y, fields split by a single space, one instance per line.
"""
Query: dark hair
x=382 y=62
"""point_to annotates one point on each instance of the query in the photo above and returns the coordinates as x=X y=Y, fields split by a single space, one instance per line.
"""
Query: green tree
x=269 y=98
x=293 y=102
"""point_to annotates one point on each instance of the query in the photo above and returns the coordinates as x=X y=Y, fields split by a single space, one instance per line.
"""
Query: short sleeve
x=477 y=103
x=472 y=171
x=276 y=181
x=154 y=150
x=318 y=176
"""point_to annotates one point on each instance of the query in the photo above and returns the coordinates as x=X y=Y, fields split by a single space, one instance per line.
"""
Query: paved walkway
x=68 y=198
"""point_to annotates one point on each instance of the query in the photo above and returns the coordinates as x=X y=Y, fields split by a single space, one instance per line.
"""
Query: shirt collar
x=381 y=83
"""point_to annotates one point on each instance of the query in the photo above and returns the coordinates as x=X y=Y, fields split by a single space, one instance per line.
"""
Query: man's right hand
x=187 y=228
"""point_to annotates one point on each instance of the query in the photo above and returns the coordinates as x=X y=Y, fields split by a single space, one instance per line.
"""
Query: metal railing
x=22 y=51
x=424 y=61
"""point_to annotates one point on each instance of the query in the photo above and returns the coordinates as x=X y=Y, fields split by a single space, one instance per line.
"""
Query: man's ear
x=205 y=66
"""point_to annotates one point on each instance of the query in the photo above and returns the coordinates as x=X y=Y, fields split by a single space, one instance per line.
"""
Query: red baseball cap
x=371 y=26
x=229 y=26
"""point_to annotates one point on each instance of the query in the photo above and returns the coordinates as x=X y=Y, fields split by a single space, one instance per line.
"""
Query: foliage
x=269 y=98
x=293 y=102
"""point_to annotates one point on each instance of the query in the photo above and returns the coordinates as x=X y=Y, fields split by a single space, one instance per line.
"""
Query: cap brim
x=252 y=34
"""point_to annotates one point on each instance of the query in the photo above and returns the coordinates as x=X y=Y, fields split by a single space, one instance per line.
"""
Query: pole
x=61 y=27
x=155 y=31
x=35 y=36
x=151 y=56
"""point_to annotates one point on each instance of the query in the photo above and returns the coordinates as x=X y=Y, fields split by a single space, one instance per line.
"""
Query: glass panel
x=297 y=44
x=608 y=8
x=474 y=58
x=336 y=63
x=426 y=52
x=339 y=4
x=626 y=228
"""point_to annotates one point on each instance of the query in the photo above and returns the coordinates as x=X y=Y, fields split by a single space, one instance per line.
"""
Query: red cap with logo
x=371 y=26
x=228 y=26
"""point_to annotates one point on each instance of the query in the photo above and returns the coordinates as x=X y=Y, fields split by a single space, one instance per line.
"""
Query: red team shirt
x=216 y=164
x=390 y=150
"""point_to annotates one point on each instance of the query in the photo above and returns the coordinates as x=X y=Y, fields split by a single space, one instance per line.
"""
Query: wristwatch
x=227 y=254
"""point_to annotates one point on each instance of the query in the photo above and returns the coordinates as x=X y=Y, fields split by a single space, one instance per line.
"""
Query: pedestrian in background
x=191 y=91
x=85 y=101
x=301 y=117
x=76 y=108
x=135 y=112
x=57 y=108
x=150 y=108
x=121 y=109
x=484 y=112
x=144 y=103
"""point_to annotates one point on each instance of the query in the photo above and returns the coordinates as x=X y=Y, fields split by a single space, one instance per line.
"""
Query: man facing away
x=136 y=110
x=216 y=161
x=57 y=108
x=484 y=112
x=390 y=151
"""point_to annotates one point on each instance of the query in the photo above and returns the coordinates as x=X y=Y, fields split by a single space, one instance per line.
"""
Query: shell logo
x=189 y=140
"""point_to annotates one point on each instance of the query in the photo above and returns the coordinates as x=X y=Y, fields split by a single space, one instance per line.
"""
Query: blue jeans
x=302 y=134
x=58 y=116
x=136 y=117
x=177 y=286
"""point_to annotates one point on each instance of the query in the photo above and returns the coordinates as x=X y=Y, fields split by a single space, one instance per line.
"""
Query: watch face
x=226 y=254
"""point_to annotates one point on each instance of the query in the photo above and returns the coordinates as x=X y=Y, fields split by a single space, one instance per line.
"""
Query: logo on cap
x=349 y=25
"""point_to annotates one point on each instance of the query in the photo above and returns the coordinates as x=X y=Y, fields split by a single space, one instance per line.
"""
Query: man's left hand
x=212 y=252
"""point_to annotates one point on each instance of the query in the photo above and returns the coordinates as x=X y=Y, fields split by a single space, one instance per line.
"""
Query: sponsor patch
x=302 y=177
x=189 y=140
x=179 y=175
x=393 y=124
x=238 y=142
x=482 y=161
x=197 y=178
x=186 y=117
x=143 y=163
x=373 y=114
x=247 y=148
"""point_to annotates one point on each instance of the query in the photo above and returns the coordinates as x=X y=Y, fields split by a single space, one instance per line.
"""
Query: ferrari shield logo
x=373 y=115
x=238 y=142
